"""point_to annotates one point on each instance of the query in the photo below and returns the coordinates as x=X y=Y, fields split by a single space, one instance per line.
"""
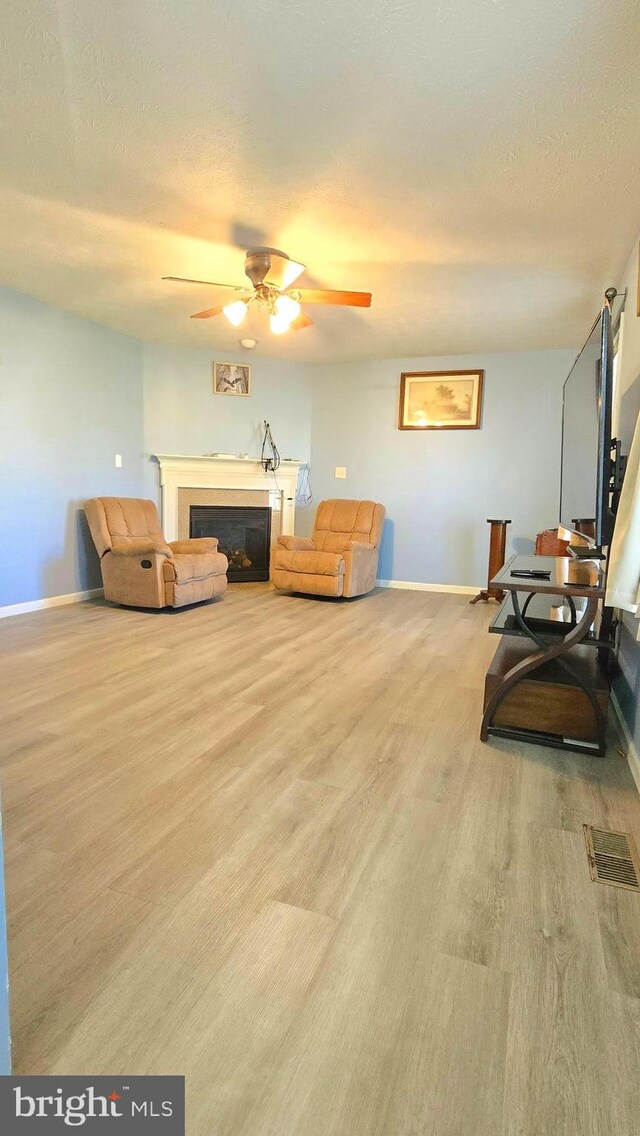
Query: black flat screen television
x=585 y=475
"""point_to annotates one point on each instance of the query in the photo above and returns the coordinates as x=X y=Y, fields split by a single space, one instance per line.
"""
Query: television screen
x=586 y=430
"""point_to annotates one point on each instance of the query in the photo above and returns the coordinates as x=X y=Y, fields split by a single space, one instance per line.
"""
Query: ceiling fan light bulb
x=288 y=308
x=279 y=324
x=235 y=312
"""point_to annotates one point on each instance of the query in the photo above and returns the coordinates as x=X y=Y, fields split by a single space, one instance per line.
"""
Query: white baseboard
x=411 y=586
x=91 y=593
x=632 y=754
x=50 y=601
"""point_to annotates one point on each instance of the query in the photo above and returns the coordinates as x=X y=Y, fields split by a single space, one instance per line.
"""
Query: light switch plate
x=118 y=461
x=341 y=471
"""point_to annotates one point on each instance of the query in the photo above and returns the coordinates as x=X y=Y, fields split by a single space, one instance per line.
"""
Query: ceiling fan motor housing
x=258 y=262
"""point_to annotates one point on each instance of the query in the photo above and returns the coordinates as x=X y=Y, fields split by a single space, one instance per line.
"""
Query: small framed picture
x=440 y=400
x=232 y=378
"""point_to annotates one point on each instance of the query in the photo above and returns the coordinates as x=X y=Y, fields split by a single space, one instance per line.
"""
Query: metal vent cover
x=613 y=858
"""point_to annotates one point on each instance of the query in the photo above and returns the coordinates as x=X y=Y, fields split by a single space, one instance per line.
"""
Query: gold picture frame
x=232 y=378
x=440 y=400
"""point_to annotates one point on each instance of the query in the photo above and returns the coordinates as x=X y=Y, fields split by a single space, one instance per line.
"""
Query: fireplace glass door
x=244 y=535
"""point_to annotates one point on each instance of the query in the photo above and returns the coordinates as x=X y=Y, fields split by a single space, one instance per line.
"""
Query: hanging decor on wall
x=232 y=378
x=440 y=400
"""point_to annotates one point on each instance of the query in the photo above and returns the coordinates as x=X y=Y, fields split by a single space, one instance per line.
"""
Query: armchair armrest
x=141 y=546
x=351 y=545
x=296 y=544
x=361 y=562
x=197 y=544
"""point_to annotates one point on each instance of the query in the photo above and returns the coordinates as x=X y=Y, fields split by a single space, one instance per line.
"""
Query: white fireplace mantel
x=179 y=471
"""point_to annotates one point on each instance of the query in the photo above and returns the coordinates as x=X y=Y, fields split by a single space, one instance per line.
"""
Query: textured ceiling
x=473 y=163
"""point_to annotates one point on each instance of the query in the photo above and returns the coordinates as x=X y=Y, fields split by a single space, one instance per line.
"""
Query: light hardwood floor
x=259 y=843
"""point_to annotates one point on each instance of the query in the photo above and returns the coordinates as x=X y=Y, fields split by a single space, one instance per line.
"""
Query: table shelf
x=546 y=684
x=550 y=616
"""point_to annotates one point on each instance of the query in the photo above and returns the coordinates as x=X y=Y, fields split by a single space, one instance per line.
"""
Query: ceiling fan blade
x=227 y=300
x=209 y=313
x=299 y=322
x=283 y=271
x=213 y=283
x=323 y=296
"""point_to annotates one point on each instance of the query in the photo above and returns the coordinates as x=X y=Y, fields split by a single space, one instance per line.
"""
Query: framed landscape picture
x=232 y=378
x=440 y=400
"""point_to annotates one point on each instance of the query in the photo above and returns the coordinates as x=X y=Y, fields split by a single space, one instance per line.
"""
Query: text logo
x=136 y=1105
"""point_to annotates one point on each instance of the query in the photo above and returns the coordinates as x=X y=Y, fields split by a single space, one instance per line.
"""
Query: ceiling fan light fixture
x=279 y=324
x=235 y=312
x=288 y=308
x=291 y=272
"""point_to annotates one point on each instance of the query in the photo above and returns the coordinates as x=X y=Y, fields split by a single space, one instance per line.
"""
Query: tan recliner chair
x=139 y=568
x=341 y=559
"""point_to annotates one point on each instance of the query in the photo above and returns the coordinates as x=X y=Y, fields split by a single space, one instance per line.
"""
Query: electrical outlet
x=118 y=461
x=341 y=471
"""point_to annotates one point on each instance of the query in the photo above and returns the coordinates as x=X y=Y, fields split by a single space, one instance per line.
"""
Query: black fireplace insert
x=244 y=535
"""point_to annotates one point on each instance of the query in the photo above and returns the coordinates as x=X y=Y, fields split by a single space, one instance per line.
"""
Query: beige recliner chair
x=341 y=559
x=139 y=568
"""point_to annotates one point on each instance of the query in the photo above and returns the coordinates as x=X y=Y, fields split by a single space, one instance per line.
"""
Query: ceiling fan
x=272 y=273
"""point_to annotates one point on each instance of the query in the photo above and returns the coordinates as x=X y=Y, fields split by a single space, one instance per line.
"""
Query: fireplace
x=244 y=535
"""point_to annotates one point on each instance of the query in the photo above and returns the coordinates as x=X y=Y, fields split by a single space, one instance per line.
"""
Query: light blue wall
x=183 y=416
x=71 y=398
x=440 y=486
x=5 y=1042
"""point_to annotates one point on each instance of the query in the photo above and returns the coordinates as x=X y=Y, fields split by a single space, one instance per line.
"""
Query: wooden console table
x=548 y=681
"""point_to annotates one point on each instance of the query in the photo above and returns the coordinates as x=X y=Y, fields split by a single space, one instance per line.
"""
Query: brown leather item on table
x=139 y=568
x=341 y=559
x=548 y=543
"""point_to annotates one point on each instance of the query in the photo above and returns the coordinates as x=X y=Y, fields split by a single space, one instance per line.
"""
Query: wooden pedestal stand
x=497 y=548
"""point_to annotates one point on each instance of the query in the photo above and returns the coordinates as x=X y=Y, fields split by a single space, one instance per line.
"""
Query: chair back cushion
x=340 y=520
x=121 y=519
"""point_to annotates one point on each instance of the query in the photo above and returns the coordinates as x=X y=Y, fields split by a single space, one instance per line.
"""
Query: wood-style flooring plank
x=251 y=1002
x=48 y=997
x=391 y=1023
x=565 y=1048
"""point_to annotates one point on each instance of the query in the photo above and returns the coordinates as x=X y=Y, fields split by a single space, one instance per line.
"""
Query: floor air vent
x=613 y=858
